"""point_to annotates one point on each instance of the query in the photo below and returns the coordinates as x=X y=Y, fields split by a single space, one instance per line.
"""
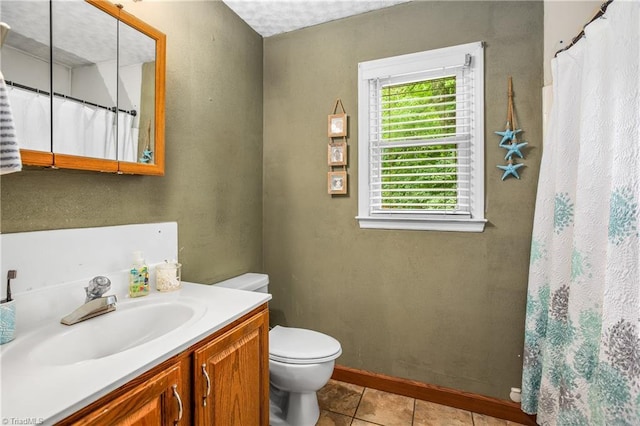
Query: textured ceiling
x=271 y=17
x=75 y=19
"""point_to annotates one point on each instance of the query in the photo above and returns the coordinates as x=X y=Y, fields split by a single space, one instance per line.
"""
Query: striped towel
x=9 y=150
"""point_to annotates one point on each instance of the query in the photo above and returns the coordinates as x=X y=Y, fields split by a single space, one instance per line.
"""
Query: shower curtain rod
x=601 y=11
x=133 y=112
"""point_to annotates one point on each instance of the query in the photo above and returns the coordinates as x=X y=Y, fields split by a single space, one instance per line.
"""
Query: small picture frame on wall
x=337 y=182
x=337 y=154
x=337 y=125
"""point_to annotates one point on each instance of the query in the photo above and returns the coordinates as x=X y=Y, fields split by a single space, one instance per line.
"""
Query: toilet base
x=293 y=409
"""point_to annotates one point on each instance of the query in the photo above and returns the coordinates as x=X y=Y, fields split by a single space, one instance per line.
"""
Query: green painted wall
x=213 y=181
x=442 y=308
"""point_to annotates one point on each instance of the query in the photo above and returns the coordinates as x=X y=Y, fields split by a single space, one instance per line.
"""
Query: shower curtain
x=581 y=362
x=79 y=129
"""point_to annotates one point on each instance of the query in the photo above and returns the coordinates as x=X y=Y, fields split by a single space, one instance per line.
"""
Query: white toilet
x=300 y=363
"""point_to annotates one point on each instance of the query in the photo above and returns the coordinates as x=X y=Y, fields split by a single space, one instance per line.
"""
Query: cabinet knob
x=206 y=377
x=177 y=396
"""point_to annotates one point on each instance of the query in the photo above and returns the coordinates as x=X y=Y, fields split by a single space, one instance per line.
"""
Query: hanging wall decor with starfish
x=510 y=142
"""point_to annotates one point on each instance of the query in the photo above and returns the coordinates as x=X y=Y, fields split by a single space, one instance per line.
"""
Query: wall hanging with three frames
x=337 y=150
x=510 y=142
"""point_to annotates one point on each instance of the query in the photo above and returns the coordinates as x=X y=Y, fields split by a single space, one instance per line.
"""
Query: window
x=421 y=141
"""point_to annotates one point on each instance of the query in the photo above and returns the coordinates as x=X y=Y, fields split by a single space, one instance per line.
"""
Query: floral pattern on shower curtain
x=581 y=362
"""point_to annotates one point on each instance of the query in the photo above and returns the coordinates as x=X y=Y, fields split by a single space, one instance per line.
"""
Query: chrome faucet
x=97 y=287
x=95 y=303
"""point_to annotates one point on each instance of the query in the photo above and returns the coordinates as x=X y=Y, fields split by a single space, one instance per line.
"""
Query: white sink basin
x=128 y=326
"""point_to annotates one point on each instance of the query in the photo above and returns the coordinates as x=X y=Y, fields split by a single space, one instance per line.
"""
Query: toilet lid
x=299 y=346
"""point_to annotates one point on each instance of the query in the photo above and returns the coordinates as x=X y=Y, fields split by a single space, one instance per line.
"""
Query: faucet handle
x=97 y=287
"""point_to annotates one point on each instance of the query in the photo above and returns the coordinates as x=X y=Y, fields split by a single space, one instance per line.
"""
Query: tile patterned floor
x=344 y=404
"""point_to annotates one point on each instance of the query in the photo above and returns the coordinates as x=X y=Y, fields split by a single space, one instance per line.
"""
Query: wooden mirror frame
x=49 y=159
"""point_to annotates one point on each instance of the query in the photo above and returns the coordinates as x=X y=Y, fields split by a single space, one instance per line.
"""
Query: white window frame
x=428 y=61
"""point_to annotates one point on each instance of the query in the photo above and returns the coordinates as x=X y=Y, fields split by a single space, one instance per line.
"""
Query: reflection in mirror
x=136 y=95
x=25 y=66
x=85 y=80
x=95 y=120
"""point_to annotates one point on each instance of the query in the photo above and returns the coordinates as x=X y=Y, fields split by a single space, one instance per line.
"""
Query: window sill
x=421 y=224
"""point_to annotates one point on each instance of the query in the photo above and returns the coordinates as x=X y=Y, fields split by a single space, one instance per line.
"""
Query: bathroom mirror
x=106 y=72
x=136 y=95
x=25 y=64
x=85 y=83
x=141 y=73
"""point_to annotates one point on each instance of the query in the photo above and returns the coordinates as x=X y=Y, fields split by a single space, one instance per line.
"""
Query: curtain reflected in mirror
x=85 y=81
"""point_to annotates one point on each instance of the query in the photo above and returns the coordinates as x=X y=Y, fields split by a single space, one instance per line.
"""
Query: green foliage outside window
x=419 y=177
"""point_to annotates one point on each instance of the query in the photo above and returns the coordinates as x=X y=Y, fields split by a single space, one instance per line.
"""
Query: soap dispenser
x=138 y=276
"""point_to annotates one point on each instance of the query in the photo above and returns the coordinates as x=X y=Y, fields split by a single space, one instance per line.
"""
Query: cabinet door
x=231 y=381
x=154 y=402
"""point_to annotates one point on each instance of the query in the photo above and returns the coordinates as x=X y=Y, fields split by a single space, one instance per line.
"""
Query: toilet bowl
x=301 y=362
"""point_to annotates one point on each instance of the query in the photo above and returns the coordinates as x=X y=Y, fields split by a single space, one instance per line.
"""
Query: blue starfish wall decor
x=146 y=156
x=514 y=148
x=508 y=135
x=510 y=169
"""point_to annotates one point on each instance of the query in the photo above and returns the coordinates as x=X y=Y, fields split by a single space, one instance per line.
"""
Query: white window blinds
x=420 y=130
x=421 y=140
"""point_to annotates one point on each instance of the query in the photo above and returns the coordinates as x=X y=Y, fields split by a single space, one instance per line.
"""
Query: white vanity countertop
x=33 y=390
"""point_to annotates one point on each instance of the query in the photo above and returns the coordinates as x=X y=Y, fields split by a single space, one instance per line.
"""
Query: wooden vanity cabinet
x=157 y=401
x=231 y=374
x=234 y=390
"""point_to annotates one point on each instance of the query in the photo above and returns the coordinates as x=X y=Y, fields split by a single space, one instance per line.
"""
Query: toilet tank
x=248 y=282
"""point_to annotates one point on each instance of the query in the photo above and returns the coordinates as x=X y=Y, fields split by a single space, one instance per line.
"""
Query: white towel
x=10 y=160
